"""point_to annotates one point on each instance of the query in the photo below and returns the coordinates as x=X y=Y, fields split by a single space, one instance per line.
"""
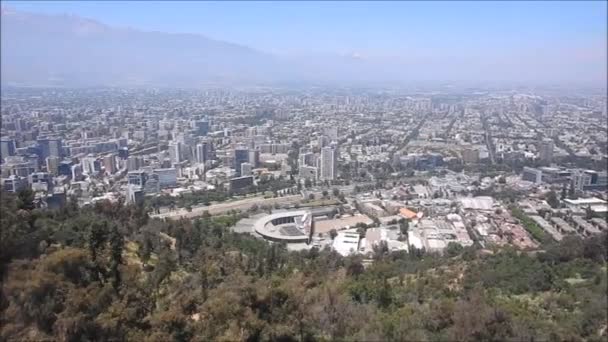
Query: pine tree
x=117 y=243
x=97 y=238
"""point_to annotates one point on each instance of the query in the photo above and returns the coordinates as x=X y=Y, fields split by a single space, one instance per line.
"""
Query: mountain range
x=67 y=50
x=72 y=51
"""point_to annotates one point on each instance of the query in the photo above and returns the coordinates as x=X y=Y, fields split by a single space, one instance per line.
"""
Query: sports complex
x=289 y=226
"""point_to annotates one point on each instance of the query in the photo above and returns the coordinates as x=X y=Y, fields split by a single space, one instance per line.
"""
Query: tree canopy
x=108 y=272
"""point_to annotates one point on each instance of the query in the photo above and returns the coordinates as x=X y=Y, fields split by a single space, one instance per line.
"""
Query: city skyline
x=310 y=171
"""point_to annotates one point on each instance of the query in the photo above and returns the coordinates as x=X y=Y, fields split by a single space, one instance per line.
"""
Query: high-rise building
x=135 y=194
x=254 y=158
x=202 y=152
x=65 y=168
x=545 y=150
x=134 y=163
x=152 y=185
x=137 y=178
x=583 y=180
x=52 y=165
x=241 y=156
x=323 y=141
x=175 y=151
x=308 y=159
x=328 y=163
x=50 y=147
x=21 y=125
x=109 y=164
x=76 y=172
x=123 y=153
x=14 y=183
x=246 y=169
x=201 y=127
x=7 y=148
x=41 y=181
x=90 y=165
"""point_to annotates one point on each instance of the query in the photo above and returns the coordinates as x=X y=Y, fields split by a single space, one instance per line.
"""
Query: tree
x=116 y=245
x=588 y=213
x=97 y=238
x=145 y=249
x=325 y=193
x=333 y=233
x=564 y=193
x=355 y=268
x=25 y=199
x=453 y=249
x=336 y=192
x=552 y=199
x=311 y=196
x=404 y=226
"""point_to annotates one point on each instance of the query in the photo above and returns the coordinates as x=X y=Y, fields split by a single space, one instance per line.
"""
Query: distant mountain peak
x=41 y=48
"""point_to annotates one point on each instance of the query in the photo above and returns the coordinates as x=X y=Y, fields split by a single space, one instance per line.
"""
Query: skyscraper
x=201 y=127
x=241 y=156
x=545 y=150
x=109 y=164
x=202 y=152
x=50 y=147
x=52 y=165
x=175 y=151
x=7 y=148
x=254 y=158
x=328 y=163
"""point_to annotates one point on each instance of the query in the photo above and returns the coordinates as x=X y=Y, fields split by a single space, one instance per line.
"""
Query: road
x=224 y=207
x=413 y=135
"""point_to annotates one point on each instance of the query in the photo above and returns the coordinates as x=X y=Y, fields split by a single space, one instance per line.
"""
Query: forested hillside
x=109 y=273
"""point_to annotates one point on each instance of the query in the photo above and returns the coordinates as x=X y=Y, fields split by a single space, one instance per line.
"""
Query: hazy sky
x=546 y=39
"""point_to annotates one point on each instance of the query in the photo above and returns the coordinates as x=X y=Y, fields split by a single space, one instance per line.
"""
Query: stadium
x=289 y=226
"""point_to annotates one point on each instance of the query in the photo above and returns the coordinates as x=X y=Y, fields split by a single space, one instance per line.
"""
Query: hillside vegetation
x=108 y=272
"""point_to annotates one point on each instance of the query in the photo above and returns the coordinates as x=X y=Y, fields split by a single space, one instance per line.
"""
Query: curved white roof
x=272 y=232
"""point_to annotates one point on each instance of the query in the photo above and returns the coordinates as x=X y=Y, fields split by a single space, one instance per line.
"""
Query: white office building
x=329 y=156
